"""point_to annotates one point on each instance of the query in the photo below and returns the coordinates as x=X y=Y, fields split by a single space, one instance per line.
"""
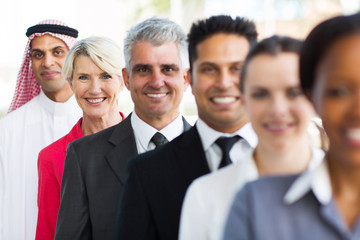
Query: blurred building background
x=112 y=18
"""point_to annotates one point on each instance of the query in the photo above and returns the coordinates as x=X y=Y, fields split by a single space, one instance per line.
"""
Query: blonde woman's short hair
x=103 y=51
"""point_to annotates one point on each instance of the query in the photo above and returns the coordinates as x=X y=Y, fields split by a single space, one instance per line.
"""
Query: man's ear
x=186 y=76
x=189 y=77
x=126 y=77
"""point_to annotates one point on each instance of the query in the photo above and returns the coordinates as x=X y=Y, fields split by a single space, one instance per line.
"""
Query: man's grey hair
x=156 y=31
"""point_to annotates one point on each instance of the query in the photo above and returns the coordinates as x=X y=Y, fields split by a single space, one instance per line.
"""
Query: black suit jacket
x=154 y=190
x=94 y=174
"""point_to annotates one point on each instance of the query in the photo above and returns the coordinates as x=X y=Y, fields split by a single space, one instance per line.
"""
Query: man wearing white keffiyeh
x=42 y=110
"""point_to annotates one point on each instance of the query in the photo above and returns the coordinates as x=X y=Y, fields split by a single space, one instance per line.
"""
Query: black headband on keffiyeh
x=52 y=28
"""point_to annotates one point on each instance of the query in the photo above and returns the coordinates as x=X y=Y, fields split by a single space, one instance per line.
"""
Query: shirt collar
x=58 y=108
x=316 y=180
x=208 y=135
x=146 y=131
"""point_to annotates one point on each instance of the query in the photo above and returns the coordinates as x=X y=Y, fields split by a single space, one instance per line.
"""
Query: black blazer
x=154 y=190
x=94 y=174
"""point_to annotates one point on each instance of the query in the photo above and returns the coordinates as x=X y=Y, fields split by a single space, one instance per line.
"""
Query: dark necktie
x=226 y=143
x=159 y=139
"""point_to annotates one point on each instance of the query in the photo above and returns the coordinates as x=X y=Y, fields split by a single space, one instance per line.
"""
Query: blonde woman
x=93 y=69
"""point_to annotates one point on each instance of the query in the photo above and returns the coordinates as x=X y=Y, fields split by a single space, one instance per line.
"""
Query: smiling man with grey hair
x=94 y=172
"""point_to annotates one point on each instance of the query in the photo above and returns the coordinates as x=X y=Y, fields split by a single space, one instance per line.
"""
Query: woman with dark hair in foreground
x=280 y=115
x=324 y=203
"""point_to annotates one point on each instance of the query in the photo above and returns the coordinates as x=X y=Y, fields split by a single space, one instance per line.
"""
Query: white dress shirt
x=23 y=133
x=209 y=198
x=213 y=152
x=144 y=132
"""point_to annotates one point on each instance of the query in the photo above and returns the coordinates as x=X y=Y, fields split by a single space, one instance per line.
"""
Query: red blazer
x=50 y=169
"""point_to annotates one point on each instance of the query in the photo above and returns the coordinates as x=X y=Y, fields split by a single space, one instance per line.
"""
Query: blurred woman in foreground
x=324 y=203
x=93 y=69
x=280 y=115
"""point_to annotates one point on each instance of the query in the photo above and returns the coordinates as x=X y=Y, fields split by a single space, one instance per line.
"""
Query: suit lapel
x=123 y=139
x=125 y=147
x=190 y=155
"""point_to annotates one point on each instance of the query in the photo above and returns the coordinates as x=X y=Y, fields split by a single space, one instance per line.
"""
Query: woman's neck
x=93 y=125
x=289 y=159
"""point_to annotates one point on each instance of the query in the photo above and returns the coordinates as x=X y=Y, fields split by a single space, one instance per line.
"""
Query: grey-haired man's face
x=156 y=80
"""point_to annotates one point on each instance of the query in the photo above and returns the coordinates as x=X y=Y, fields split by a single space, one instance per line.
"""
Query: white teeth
x=158 y=95
x=353 y=134
x=224 y=99
x=97 y=100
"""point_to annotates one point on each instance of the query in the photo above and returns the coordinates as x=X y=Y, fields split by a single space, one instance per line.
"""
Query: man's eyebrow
x=239 y=62
x=58 y=47
x=172 y=65
x=36 y=50
x=140 y=65
x=215 y=64
x=208 y=63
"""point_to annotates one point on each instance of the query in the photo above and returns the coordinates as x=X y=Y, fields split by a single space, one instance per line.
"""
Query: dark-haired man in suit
x=152 y=197
x=156 y=75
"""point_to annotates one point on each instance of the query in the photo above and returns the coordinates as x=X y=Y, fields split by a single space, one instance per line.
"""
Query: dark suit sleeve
x=73 y=220
x=134 y=219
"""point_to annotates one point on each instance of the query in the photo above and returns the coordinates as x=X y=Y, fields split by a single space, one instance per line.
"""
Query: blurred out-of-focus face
x=48 y=55
x=215 y=81
x=277 y=108
x=95 y=90
x=336 y=97
x=156 y=80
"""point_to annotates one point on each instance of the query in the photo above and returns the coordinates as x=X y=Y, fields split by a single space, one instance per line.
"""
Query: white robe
x=23 y=133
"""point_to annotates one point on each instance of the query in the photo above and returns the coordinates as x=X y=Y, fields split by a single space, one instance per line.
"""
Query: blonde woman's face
x=94 y=89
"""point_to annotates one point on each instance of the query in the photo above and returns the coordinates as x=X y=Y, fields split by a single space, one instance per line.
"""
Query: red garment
x=50 y=169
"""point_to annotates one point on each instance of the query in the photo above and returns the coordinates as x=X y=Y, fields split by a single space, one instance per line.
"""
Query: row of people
x=95 y=166
x=155 y=74
x=280 y=115
x=100 y=199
